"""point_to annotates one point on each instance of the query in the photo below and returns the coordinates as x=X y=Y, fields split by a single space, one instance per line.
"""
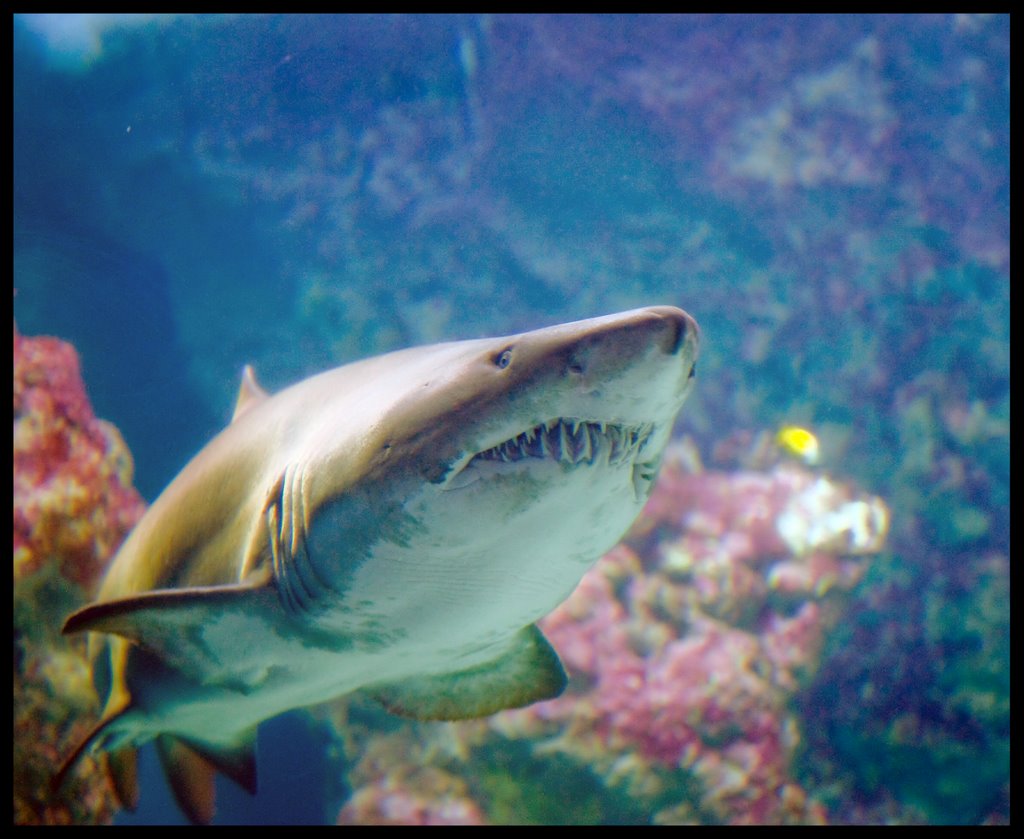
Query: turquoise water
x=829 y=197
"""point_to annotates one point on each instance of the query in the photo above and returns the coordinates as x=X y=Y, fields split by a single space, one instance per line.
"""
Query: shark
x=394 y=526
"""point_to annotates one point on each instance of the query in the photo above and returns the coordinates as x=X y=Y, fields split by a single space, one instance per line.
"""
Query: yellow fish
x=799 y=442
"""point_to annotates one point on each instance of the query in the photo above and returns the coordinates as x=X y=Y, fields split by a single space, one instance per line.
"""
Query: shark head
x=595 y=398
x=507 y=464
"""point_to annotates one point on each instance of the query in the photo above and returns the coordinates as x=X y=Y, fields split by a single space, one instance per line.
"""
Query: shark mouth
x=573 y=442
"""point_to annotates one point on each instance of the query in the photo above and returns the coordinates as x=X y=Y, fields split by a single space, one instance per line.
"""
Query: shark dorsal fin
x=250 y=393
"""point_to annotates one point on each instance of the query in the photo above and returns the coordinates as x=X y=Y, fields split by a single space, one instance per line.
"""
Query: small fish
x=799 y=442
x=396 y=526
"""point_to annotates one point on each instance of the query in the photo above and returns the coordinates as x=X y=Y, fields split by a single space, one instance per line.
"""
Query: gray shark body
x=395 y=525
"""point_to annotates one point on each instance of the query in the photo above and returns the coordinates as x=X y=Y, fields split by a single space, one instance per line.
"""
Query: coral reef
x=685 y=646
x=73 y=495
x=394 y=788
x=73 y=504
x=922 y=736
x=829 y=195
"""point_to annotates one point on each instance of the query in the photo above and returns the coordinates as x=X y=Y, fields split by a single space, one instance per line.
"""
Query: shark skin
x=396 y=525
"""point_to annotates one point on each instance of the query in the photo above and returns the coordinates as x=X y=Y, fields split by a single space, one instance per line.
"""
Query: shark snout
x=639 y=344
x=673 y=329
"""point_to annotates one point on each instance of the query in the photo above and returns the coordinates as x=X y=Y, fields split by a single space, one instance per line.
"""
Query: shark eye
x=503 y=359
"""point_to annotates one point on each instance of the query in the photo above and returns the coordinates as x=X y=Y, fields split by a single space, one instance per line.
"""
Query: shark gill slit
x=301 y=585
x=277 y=525
x=272 y=514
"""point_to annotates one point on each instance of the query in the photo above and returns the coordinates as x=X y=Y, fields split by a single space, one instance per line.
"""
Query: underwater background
x=827 y=195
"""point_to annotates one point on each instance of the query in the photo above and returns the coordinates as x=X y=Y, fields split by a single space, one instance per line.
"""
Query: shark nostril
x=677 y=336
x=680 y=331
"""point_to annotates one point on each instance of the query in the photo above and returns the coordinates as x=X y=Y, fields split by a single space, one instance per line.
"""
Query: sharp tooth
x=547 y=445
x=587 y=451
x=563 y=441
x=534 y=446
x=615 y=449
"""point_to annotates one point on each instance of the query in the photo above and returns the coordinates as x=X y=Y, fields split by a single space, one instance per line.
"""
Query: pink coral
x=73 y=497
x=704 y=700
x=73 y=504
x=389 y=801
x=395 y=785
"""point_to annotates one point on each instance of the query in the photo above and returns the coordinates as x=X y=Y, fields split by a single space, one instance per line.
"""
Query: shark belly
x=488 y=582
x=411 y=609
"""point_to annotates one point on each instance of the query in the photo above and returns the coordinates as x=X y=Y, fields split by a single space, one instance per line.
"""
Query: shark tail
x=120 y=763
x=191 y=770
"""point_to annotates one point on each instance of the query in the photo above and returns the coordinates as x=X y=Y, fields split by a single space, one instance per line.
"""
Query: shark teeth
x=571 y=441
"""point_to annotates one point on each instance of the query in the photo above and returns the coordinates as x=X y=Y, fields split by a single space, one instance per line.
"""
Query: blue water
x=829 y=197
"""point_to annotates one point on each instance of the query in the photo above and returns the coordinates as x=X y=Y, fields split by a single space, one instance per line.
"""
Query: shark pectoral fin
x=527 y=672
x=191 y=628
x=192 y=778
